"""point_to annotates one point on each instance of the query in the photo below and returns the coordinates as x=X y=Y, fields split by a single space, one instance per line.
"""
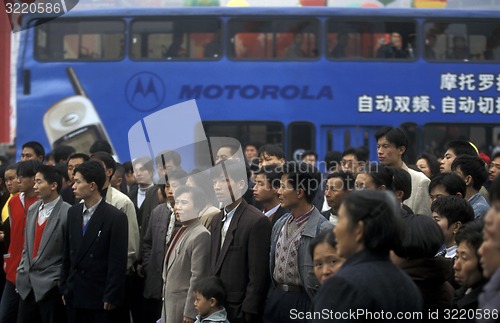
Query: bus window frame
x=289 y=135
x=230 y=34
x=121 y=20
x=173 y=19
x=417 y=51
x=461 y=20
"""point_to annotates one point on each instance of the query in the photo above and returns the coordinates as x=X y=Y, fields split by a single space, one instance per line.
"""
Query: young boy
x=210 y=296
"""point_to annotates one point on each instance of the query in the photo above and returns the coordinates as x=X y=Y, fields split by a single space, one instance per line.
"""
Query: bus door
x=342 y=137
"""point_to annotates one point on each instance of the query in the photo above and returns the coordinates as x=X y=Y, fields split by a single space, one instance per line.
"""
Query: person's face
x=130 y=178
x=364 y=181
x=288 y=196
x=266 y=159
x=167 y=168
x=490 y=249
x=25 y=183
x=349 y=164
x=448 y=230
x=250 y=152
x=466 y=267
x=29 y=154
x=396 y=40
x=223 y=153
x=334 y=192
x=11 y=181
x=388 y=153
x=72 y=164
x=347 y=235
x=142 y=174
x=436 y=192
x=326 y=261
x=424 y=167
x=262 y=190
x=116 y=181
x=184 y=208
x=81 y=188
x=310 y=159
x=170 y=188
x=448 y=158
x=202 y=305
x=224 y=186
x=494 y=169
x=43 y=189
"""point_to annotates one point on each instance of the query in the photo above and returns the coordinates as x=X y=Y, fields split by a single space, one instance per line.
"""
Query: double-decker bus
x=308 y=78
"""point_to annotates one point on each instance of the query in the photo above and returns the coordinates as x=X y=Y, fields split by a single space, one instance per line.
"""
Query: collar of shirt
x=303 y=218
x=272 y=211
x=229 y=215
x=21 y=197
x=451 y=251
x=144 y=190
x=46 y=209
x=92 y=208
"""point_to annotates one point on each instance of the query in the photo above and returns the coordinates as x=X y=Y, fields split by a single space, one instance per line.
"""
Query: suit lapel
x=217 y=238
x=93 y=229
x=179 y=245
x=230 y=234
x=51 y=225
x=31 y=227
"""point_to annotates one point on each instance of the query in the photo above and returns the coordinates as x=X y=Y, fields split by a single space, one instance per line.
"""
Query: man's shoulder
x=418 y=176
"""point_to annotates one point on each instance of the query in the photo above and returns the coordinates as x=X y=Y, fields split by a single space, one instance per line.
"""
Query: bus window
x=68 y=39
x=367 y=40
x=273 y=39
x=300 y=137
x=178 y=39
x=459 y=41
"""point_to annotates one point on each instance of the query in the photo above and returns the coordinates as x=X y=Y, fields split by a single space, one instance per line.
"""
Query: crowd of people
x=86 y=239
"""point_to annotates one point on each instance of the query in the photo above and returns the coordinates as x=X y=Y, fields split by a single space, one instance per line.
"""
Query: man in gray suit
x=40 y=267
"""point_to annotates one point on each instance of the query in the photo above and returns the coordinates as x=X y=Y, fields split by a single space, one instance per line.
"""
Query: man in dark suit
x=240 y=244
x=95 y=251
x=265 y=191
x=38 y=273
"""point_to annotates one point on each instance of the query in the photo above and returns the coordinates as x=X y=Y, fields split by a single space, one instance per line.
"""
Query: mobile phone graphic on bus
x=73 y=121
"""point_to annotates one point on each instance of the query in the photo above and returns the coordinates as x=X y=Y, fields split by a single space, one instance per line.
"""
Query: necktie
x=86 y=219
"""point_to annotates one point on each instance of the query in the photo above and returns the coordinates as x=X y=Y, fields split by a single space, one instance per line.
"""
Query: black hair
x=272 y=150
x=401 y=181
x=495 y=155
x=303 y=176
x=348 y=179
x=381 y=175
x=2 y=177
x=460 y=147
x=146 y=162
x=451 y=182
x=92 y=171
x=361 y=153
x=453 y=208
x=202 y=181
x=178 y=175
x=233 y=168
x=51 y=175
x=251 y=144
x=161 y=187
x=37 y=148
x=395 y=136
x=211 y=287
x=472 y=234
x=49 y=156
x=107 y=159
x=273 y=174
x=129 y=168
x=473 y=166
x=62 y=168
x=380 y=213
x=198 y=203
x=332 y=159
x=309 y=153
x=432 y=163
x=83 y=156
x=120 y=170
x=168 y=155
x=327 y=236
x=62 y=153
x=101 y=145
x=422 y=238
x=27 y=168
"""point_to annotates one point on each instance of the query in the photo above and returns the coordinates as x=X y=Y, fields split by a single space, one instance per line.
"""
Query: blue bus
x=308 y=78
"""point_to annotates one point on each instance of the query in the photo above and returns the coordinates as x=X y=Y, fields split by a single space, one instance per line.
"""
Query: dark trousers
x=48 y=310
x=133 y=294
x=9 y=304
x=281 y=305
x=78 y=315
x=151 y=310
